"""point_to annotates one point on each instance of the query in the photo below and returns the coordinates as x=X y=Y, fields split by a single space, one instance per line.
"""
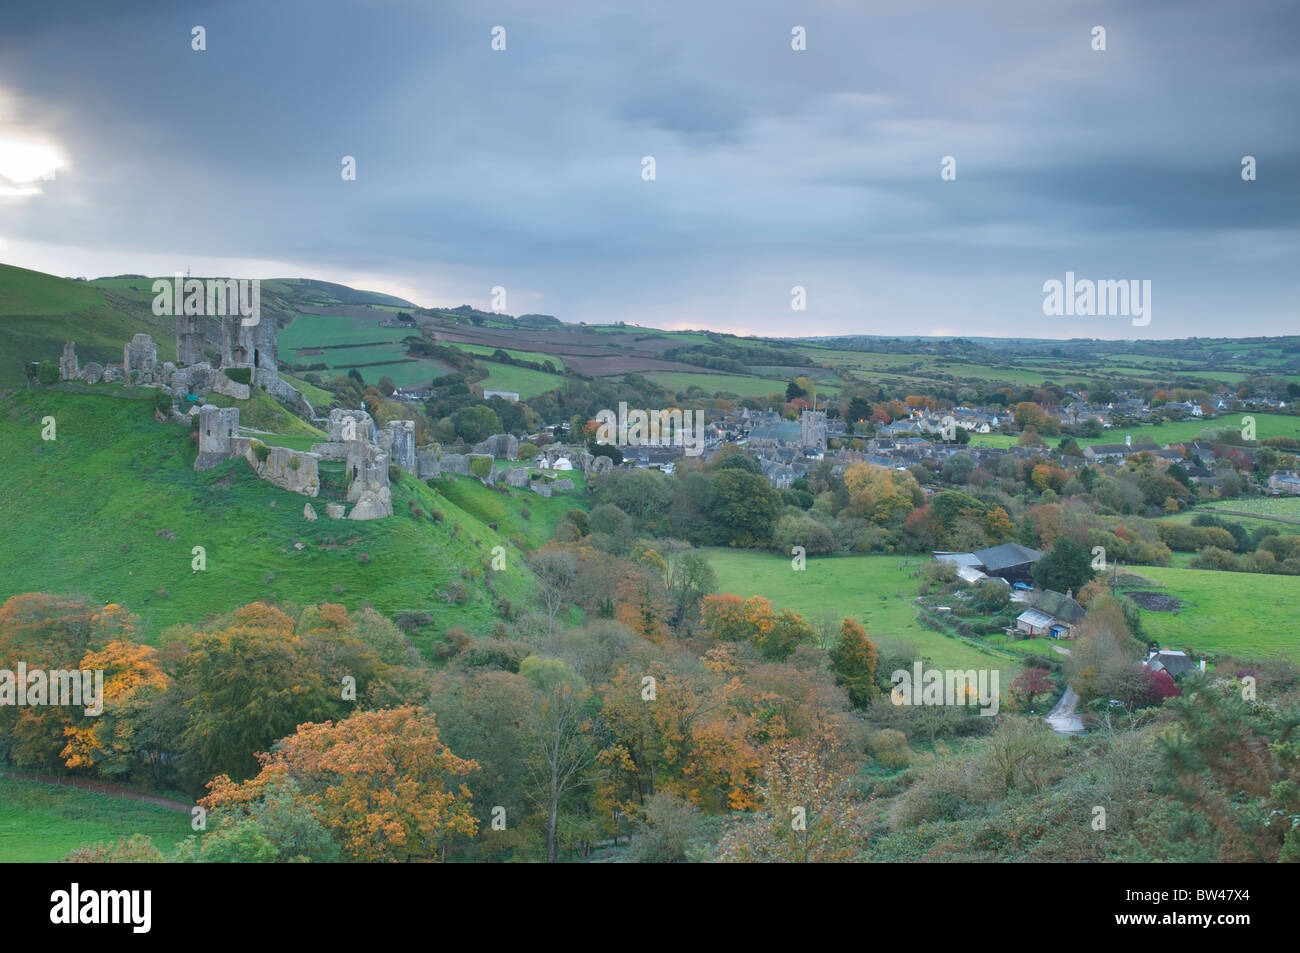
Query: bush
x=47 y=372
x=261 y=451
x=240 y=375
x=162 y=401
x=481 y=466
x=294 y=463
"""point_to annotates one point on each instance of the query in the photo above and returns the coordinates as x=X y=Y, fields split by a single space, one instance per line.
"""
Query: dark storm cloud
x=775 y=168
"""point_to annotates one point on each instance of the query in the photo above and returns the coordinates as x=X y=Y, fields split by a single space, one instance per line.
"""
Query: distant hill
x=39 y=312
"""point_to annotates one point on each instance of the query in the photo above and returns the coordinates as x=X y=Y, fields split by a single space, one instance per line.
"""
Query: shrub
x=47 y=372
x=481 y=466
x=261 y=451
x=162 y=401
x=240 y=375
x=294 y=464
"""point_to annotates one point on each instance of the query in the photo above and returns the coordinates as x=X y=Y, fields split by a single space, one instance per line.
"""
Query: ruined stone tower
x=189 y=338
x=69 y=369
x=218 y=427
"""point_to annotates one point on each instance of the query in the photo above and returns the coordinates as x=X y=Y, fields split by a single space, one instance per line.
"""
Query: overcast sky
x=774 y=168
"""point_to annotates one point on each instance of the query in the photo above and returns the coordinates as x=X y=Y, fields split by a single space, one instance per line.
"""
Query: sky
x=125 y=150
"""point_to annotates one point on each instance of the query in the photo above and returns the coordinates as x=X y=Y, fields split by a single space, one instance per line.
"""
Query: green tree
x=743 y=506
x=1067 y=567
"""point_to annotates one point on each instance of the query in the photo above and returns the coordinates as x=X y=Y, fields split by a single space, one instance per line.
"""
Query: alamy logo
x=56 y=687
x=953 y=687
x=134 y=907
x=213 y=296
x=652 y=428
x=1086 y=298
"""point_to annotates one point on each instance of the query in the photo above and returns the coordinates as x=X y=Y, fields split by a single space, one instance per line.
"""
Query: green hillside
x=112 y=509
x=38 y=312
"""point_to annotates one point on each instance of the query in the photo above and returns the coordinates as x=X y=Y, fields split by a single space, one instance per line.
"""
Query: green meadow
x=41 y=822
x=1248 y=614
x=877 y=590
x=680 y=381
x=524 y=381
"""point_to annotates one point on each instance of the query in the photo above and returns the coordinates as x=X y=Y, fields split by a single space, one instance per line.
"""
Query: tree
x=380 y=782
x=561 y=733
x=664 y=829
x=556 y=571
x=743 y=506
x=853 y=660
x=1104 y=652
x=248 y=684
x=689 y=578
x=1066 y=568
x=806 y=814
x=1031 y=683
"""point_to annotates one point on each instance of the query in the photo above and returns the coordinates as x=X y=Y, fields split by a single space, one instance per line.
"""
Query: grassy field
x=318 y=330
x=1284 y=507
x=544 y=513
x=1246 y=614
x=41 y=823
x=877 y=590
x=344 y=343
x=518 y=355
x=129 y=509
x=522 y=380
x=680 y=381
x=1172 y=431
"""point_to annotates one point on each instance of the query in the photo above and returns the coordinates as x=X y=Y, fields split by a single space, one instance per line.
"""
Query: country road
x=1062 y=718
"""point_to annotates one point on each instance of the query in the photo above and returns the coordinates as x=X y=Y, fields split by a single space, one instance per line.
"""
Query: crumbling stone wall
x=397 y=439
x=140 y=360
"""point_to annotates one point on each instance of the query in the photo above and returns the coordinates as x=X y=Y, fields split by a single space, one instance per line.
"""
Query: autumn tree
x=853 y=659
x=381 y=782
x=806 y=813
x=1031 y=683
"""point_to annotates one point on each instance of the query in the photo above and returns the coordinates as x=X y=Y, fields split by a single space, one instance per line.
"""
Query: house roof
x=1006 y=556
x=1039 y=620
x=1060 y=606
x=1175 y=663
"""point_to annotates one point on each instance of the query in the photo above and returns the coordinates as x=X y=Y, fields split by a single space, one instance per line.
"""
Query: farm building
x=1053 y=614
x=1174 y=662
x=1010 y=562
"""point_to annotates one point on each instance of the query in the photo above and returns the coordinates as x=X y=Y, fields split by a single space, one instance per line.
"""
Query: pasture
x=41 y=822
x=1248 y=614
x=877 y=590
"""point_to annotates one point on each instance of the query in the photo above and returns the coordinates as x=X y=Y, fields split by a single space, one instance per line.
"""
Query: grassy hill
x=112 y=509
x=38 y=312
